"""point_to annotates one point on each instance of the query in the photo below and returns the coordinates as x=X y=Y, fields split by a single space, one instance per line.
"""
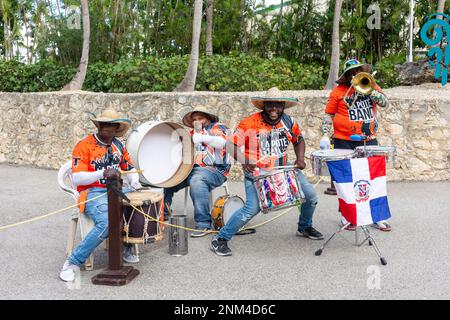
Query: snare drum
x=223 y=208
x=387 y=151
x=136 y=227
x=278 y=190
x=319 y=159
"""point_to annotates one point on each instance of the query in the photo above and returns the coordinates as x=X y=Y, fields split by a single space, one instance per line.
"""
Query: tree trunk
x=209 y=27
x=280 y=25
x=78 y=80
x=440 y=8
x=334 y=65
x=243 y=28
x=188 y=83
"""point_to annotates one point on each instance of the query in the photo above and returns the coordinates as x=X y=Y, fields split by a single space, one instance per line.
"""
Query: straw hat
x=187 y=119
x=112 y=116
x=273 y=94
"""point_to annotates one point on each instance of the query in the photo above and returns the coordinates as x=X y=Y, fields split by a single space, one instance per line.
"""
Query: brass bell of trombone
x=364 y=83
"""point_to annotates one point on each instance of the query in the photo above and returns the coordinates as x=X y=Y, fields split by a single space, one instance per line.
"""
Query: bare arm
x=299 y=150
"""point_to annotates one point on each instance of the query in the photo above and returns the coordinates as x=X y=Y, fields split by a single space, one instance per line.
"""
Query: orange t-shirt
x=360 y=120
x=91 y=154
x=262 y=139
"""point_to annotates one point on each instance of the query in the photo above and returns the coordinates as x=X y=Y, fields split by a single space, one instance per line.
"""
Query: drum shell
x=389 y=152
x=136 y=223
x=297 y=197
x=134 y=143
x=178 y=238
x=319 y=166
x=218 y=213
x=319 y=159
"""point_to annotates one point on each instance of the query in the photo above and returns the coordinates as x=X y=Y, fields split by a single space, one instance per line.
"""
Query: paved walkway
x=271 y=264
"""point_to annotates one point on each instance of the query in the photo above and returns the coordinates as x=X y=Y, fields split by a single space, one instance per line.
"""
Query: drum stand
x=368 y=237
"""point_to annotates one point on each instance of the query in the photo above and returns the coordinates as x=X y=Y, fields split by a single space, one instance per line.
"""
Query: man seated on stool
x=211 y=168
x=95 y=159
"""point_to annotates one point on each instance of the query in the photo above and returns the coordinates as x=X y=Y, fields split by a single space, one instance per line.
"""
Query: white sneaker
x=128 y=255
x=68 y=271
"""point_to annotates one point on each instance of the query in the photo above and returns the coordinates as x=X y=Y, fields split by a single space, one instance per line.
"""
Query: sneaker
x=200 y=233
x=220 y=247
x=310 y=233
x=382 y=226
x=68 y=271
x=128 y=255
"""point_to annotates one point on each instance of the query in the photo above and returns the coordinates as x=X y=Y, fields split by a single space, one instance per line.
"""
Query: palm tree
x=334 y=65
x=209 y=25
x=440 y=8
x=188 y=83
x=78 y=80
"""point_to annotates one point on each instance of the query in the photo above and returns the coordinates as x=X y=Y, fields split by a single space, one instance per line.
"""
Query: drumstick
x=131 y=171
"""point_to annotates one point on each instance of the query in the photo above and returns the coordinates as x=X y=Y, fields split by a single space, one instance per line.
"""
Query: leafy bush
x=386 y=75
x=234 y=72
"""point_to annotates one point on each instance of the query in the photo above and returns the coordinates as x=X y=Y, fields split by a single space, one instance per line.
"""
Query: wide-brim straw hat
x=349 y=65
x=112 y=116
x=187 y=118
x=273 y=94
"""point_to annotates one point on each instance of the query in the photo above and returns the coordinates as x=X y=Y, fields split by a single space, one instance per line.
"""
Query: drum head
x=163 y=151
x=138 y=198
x=232 y=204
x=333 y=153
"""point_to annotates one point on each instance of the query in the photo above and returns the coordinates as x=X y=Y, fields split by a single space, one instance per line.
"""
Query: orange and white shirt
x=91 y=154
x=360 y=120
x=209 y=157
x=261 y=139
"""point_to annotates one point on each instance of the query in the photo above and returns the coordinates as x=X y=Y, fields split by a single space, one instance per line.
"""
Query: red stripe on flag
x=377 y=166
x=348 y=211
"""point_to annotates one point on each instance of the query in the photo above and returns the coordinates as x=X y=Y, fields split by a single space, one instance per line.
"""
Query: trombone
x=364 y=83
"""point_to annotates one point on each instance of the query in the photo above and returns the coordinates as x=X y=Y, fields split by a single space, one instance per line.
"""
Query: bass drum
x=163 y=151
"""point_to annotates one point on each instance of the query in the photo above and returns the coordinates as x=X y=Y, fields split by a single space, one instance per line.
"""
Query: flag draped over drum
x=361 y=187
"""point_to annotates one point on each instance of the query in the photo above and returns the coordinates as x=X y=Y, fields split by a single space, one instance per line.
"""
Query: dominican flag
x=361 y=187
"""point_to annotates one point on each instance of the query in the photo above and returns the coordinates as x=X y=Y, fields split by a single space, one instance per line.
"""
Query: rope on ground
x=48 y=214
x=140 y=211
x=215 y=231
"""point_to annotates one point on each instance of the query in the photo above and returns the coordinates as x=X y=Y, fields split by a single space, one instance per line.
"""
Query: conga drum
x=163 y=151
x=138 y=228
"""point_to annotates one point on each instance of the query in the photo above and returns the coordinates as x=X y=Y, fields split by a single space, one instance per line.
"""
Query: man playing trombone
x=352 y=110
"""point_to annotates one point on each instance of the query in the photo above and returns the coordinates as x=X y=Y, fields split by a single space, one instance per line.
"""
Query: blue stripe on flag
x=379 y=209
x=340 y=170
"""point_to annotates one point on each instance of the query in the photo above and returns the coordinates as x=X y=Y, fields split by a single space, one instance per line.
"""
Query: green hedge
x=215 y=73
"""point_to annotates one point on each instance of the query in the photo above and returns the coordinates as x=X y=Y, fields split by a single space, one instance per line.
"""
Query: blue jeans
x=97 y=211
x=201 y=181
x=251 y=207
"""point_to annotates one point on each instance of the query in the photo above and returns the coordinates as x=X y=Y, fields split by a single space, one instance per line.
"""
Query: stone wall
x=41 y=129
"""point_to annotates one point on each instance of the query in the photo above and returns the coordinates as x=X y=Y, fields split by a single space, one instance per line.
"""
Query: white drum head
x=331 y=153
x=232 y=204
x=163 y=151
x=160 y=154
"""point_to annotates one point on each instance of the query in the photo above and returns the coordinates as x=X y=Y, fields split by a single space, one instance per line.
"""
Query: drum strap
x=118 y=145
x=113 y=185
